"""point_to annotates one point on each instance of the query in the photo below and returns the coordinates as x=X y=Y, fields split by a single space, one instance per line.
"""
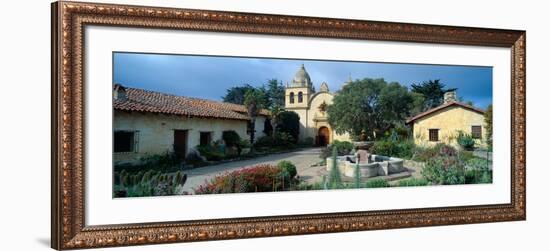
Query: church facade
x=310 y=105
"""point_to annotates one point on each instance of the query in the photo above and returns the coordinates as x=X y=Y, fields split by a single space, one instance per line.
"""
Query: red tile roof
x=443 y=106
x=155 y=102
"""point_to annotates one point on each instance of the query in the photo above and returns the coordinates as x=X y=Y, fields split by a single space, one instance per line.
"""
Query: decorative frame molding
x=68 y=22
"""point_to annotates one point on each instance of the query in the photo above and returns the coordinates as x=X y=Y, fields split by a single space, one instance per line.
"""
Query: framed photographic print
x=176 y=125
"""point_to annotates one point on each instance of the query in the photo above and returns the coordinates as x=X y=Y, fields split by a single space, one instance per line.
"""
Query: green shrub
x=285 y=139
x=400 y=149
x=163 y=161
x=486 y=177
x=478 y=164
x=287 y=168
x=245 y=143
x=265 y=141
x=465 y=140
x=376 y=183
x=210 y=152
x=466 y=156
x=444 y=170
x=195 y=159
x=282 y=139
x=343 y=148
x=167 y=162
x=478 y=171
x=403 y=131
x=231 y=138
x=412 y=182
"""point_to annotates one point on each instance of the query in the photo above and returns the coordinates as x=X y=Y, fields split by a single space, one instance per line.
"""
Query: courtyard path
x=303 y=159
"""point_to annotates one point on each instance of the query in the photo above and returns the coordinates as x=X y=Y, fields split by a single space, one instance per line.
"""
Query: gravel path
x=303 y=159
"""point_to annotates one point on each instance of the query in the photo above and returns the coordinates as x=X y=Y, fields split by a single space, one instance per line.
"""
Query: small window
x=206 y=138
x=125 y=141
x=476 y=132
x=291 y=97
x=434 y=134
x=300 y=97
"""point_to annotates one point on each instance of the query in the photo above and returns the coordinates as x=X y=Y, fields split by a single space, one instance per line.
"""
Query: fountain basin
x=377 y=165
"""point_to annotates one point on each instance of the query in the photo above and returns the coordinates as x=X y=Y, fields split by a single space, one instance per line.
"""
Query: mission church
x=301 y=97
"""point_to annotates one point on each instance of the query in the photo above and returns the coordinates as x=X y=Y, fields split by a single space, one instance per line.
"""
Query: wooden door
x=180 y=143
x=323 y=136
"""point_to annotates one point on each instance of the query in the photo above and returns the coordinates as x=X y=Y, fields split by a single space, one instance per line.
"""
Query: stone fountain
x=372 y=166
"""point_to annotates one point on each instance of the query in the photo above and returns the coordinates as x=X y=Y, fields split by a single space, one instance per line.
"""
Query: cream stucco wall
x=318 y=119
x=306 y=92
x=311 y=118
x=156 y=131
x=449 y=121
x=299 y=107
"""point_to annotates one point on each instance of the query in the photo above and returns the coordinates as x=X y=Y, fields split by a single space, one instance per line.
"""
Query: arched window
x=300 y=97
x=292 y=97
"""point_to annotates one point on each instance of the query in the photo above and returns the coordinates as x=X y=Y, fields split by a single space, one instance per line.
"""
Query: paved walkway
x=303 y=159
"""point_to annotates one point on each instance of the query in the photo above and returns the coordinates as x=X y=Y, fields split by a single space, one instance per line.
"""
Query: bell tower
x=299 y=91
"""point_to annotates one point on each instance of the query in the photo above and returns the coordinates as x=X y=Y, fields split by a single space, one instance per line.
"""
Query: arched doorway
x=323 y=136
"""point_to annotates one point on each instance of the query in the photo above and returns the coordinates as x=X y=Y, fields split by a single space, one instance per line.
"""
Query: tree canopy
x=236 y=94
x=272 y=94
x=275 y=93
x=289 y=122
x=433 y=92
x=372 y=105
x=253 y=102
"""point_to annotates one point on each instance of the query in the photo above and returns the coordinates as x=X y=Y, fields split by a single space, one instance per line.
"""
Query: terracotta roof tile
x=149 y=101
x=441 y=107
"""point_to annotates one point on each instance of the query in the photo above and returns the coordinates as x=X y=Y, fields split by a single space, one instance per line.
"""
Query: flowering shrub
x=424 y=154
x=447 y=150
x=444 y=170
x=260 y=178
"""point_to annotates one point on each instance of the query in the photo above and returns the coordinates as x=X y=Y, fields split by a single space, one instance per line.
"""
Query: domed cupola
x=301 y=78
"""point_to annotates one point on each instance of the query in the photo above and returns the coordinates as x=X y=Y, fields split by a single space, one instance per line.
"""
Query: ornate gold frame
x=68 y=204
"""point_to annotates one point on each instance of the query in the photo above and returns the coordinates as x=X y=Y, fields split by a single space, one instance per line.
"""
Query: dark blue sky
x=209 y=77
